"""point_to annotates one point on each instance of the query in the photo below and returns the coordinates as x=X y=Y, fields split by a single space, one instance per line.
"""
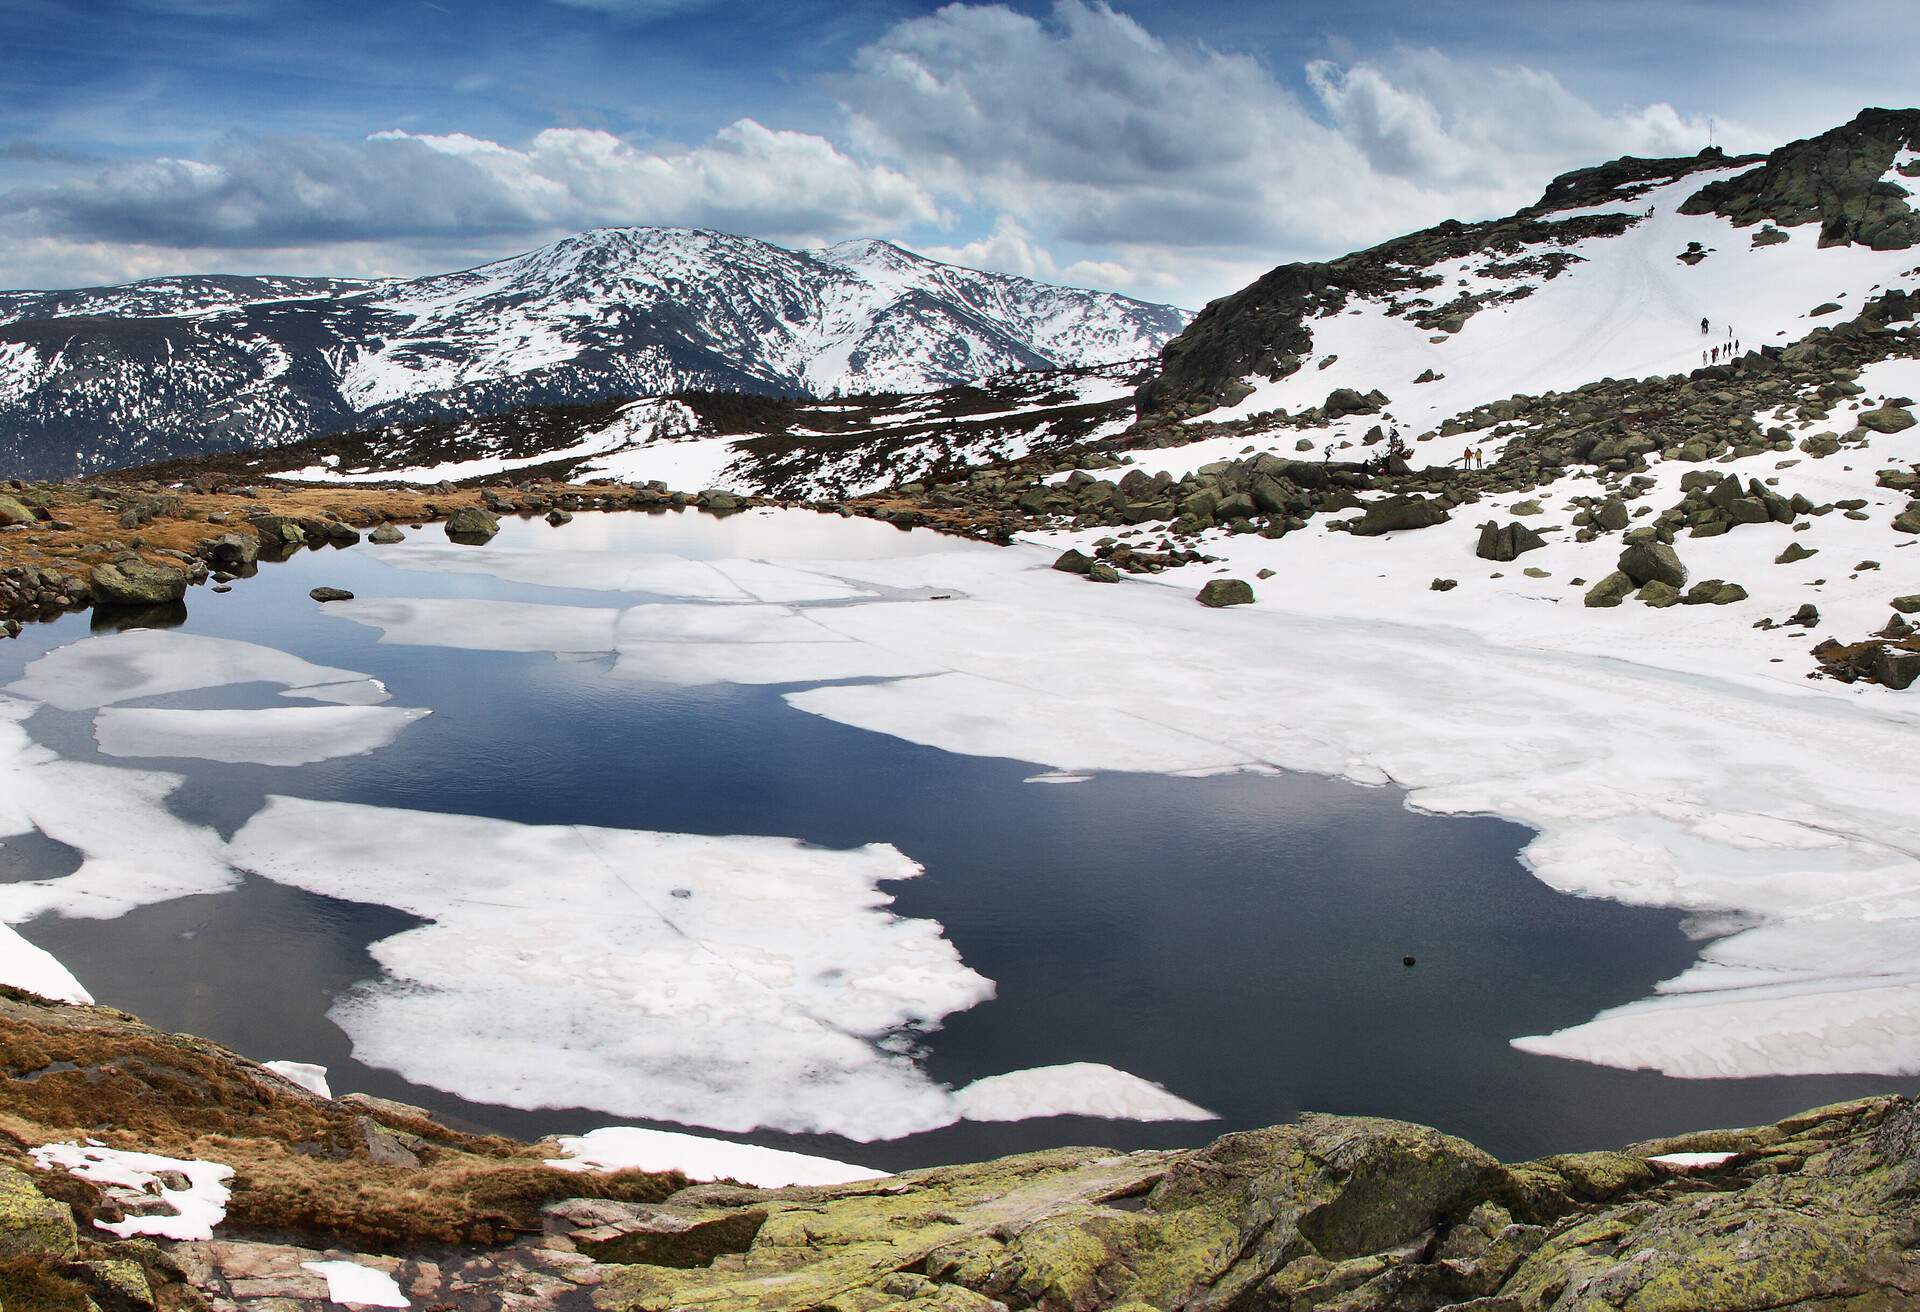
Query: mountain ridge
x=94 y=378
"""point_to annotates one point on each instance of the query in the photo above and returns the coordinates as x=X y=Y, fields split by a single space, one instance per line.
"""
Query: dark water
x=1238 y=939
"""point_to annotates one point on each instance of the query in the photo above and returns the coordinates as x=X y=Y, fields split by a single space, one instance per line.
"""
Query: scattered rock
x=1505 y=544
x=136 y=582
x=471 y=525
x=1073 y=561
x=1795 y=552
x=1443 y=585
x=1650 y=562
x=1391 y=514
x=330 y=594
x=1225 y=592
x=386 y=535
x=1610 y=591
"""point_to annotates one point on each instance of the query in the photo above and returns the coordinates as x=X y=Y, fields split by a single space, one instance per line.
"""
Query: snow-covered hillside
x=107 y=377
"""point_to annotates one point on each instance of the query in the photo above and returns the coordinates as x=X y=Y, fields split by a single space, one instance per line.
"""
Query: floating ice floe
x=145 y=854
x=306 y=1074
x=135 y=1180
x=632 y=1148
x=295 y=735
x=353 y=1285
x=733 y=982
x=1080 y=1088
x=139 y=663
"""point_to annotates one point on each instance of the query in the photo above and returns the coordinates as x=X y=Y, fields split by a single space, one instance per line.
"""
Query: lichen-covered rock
x=1225 y=592
x=14 y=511
x=471 y=524
x=1610 y=591
x=32 y=1224
x=1649 y=562
x=136 y=582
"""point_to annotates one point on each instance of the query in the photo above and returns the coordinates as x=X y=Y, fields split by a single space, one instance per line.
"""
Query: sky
x=1170 y=150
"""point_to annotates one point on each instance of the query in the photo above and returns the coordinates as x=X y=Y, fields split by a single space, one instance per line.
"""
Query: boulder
x=1610 y=591
x=232 y=551
x=1908 y=605
x=136 y=582
x=330 y=594
x=386 y=535
x=1611 y=514
x=1344 y=401
x=471 y=525
x=1649 y=562
x=558 y=517
x=1659 y=594
x=1225 y=592
x=14 y=511
x=1391 y=514
x=1504 y=544
x=1795 y=552
x=1101 y=572
x=1889 y=418
x=1072 y=561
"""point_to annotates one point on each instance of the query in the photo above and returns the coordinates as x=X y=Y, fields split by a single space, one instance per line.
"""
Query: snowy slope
x=107 y=377
x=1628 y=309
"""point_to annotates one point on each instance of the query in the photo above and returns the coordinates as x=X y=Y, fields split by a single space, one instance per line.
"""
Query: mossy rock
x=32 y=1224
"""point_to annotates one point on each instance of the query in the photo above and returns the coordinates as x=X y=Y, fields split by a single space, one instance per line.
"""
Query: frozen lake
x=587 y=862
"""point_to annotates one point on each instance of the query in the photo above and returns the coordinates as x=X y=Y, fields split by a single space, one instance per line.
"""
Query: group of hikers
x=1721 y=353
x=1473 y=458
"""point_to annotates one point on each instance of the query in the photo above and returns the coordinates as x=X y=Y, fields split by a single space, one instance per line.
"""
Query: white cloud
x=402 y=189
x=1081 y=146
x=1083 y=130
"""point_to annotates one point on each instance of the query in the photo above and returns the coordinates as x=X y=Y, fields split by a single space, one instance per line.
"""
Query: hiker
x=1703 y=325
x=1326 y=456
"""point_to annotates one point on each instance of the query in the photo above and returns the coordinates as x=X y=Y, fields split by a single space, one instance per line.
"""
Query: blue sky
x=1172 y=150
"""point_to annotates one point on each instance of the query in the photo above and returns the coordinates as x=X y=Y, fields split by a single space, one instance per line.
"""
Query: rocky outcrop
x=1328 y=1214
x=1264 y=330
x=1834 y=179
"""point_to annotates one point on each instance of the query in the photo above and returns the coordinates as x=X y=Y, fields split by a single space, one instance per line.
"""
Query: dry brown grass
x=301 y=1166
x=34 y=1284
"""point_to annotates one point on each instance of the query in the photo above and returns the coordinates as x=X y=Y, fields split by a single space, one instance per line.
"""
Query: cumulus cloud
x=1079 y=146
x=393 y=185
x=1086 y=129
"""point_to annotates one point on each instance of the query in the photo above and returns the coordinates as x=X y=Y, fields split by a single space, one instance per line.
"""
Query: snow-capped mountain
x=104 y=377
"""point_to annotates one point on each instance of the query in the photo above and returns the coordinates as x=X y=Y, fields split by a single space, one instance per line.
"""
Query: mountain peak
x=610 y=312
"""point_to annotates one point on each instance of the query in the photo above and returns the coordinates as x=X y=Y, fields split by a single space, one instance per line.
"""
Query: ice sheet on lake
x=482 y=625
x=293 y=735
x=134 y=850
x=139 y=663
x=685 y=643
x=136 y=1178
x=629 y=571
x=1735 y=793
x=731 y=982
x=633 y=1148
x=1080 y=1088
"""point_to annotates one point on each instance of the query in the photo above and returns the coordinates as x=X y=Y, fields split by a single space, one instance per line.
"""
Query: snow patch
x=631 y=1148
x=133 y=1180
x=354 y=1285
x=306 y=1074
